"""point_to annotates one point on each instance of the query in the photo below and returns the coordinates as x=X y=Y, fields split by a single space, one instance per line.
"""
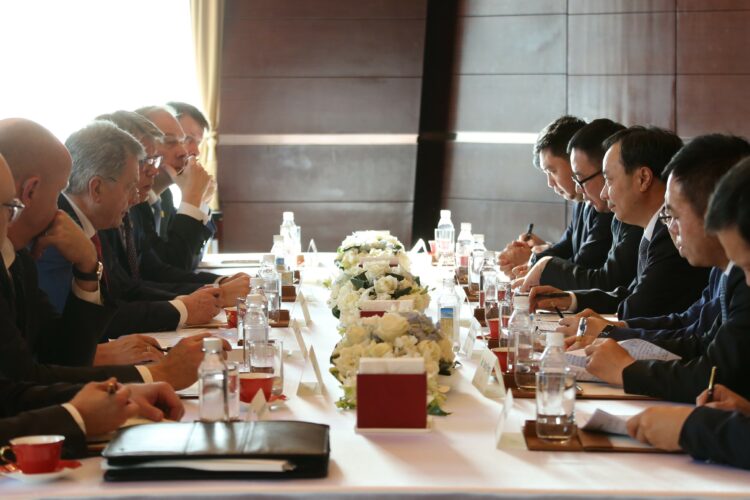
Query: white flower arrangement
x=374 y=280
x=394 y=335
x=368 y=244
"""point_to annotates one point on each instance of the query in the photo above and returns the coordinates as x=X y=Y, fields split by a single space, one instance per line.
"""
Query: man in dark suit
x=725 y=345
x=33 y=337
x=586 y=150
x=633 y=190
x=181 y=238
x=587 y=238
x=76 y=412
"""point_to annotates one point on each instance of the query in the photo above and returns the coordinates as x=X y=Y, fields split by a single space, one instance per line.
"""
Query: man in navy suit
x=714 y=339
x=587 y=238
x=634 y=191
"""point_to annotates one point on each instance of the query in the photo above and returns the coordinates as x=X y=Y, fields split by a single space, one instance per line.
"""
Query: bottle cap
x=288 y=216
x=521 y=301
x=479 y=238
x=269 y=258
x=466 y=226
x=445 y=214
x=254 y=298
x=555 y=339
x=212 y=344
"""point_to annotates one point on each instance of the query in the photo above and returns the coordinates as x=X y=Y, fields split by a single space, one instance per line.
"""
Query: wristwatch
x=606 y=330
x=95 y=276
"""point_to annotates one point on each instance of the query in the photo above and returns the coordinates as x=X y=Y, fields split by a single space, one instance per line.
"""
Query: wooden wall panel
x=249 y=227
x=511 y=44
x=317 y=173
x=507 y=103
x=713 y=103
x=713 y=5
x=617 y=44
x=628 y=99
x=326 y=9
x=615 y=6
x=713 y=42
x=510 y=7
x=343 y=47
x=502 y=222
x=320 y=105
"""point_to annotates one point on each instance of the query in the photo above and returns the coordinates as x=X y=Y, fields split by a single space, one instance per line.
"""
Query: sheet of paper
x=640 y=349
x=602 y=421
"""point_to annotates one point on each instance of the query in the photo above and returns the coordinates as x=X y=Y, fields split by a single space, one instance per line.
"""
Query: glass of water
x=555 y=404
x=268 y=357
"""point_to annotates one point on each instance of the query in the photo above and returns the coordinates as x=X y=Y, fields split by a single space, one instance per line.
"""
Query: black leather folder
x=199 y=450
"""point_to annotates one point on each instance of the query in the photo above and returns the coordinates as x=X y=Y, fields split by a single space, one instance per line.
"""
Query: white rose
x=357 y=334
x=382 y=350
x=386 y=285
x=391 y=326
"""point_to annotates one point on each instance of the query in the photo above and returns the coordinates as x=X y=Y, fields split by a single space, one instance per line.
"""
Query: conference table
x=458 y=457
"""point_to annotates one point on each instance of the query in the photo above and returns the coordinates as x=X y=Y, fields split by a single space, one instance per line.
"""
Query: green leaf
x=360 y=281
x=434 y=409
x=401 y=293
x=336 y=312
x=397 y=276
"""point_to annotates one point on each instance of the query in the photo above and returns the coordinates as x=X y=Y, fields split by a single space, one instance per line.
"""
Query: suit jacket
x=694 y=321
x=29 y=409
x=667 y=284
x=717 y=435
x=35 y=340
x=586 y=240
x=182 y=237
x=168 y=214
x=725 y=345
x=138 y=308
x=618 y=269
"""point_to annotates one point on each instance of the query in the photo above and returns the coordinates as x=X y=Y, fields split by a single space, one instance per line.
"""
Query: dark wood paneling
x=319 y=105
x=631 y=100
x=613 y=6
x=327 y=9
x=713 y=42
x=506 y=103
x=360 y=47
x=713 y=5
x=619 y=44
x=249 y=227
x=512 y=44
x=495 y=172
x=510 y=7
x=502 y=222
x=713 y=104
x=317 y=173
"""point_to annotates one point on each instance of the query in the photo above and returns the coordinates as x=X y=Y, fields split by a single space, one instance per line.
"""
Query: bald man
x=179 y=238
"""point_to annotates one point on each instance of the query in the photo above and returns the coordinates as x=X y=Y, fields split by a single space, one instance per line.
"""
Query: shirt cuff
x=86 y=296
x=180 y=306
x=145 y=374
x=76 y=416
x=192 y=211
x=573 y=303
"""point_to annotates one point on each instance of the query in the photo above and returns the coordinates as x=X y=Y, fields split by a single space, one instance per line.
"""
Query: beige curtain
x=208 y=25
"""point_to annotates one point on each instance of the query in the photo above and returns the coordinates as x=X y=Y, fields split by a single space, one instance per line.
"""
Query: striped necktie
x=642 y=256
x=128 y=241
x=723 y=297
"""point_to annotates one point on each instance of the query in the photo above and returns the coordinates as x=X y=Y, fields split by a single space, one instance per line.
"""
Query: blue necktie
x=156 y=208
x=723 y=297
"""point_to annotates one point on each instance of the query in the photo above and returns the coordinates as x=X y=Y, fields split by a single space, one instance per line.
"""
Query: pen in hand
x=559 y=312
x=112 y=387
x=711 y=380
x=529 y=230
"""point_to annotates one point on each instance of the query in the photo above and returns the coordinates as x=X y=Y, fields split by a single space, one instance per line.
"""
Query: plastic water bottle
x=278 y=246
x=291 y=236
x=212 y=382
x=449 y=313
x=491 y=305
x=521 y=334
x=271 y=283
x=555 y=393
x=257 y=287
x=464 y=246
x=488 y=272
x=255 y=321
x=445 y=234
x=477 y=261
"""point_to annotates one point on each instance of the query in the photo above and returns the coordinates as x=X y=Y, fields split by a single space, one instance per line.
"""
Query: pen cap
x=555 y=339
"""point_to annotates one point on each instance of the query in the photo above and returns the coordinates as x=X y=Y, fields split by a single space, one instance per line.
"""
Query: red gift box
x=392 y=401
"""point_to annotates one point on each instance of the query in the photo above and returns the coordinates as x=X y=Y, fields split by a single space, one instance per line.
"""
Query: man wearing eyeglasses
x=586 y=152
x=178 y=239
x=664 y=282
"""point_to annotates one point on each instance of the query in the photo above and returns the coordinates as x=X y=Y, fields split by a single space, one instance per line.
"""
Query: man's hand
x=536 y=302
x=515 y=254
x=101 y=411
x=606 y=359
x=233 y=288
x=660 y=426
x=519 y=271
x=179 y=368
x=569 y=327
x=530 y=240
x=534 y=276
x=156 y=401
x=193 y=181
x=724 y=399
x=202 y=305
x=128 y=350
x=210 y=191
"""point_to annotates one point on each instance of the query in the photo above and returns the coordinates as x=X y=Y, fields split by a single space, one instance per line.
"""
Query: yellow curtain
x=208 y=26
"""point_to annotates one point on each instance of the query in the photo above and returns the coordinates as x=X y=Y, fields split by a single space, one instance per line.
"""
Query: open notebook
x=639 y=349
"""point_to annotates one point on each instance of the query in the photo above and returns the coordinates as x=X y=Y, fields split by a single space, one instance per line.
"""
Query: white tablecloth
x=458 y=458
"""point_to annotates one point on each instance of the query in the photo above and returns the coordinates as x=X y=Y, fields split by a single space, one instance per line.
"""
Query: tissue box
x=392 y=394
x=380 y=307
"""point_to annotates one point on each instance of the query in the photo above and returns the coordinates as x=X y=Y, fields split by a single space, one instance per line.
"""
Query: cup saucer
x=65 y=467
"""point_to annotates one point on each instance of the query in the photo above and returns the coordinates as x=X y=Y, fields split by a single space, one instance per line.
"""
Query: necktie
x=126 y=230
x=723 y=297
x=98 y=245
x=16 y=279
x=642 y=256
x=156 y=208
